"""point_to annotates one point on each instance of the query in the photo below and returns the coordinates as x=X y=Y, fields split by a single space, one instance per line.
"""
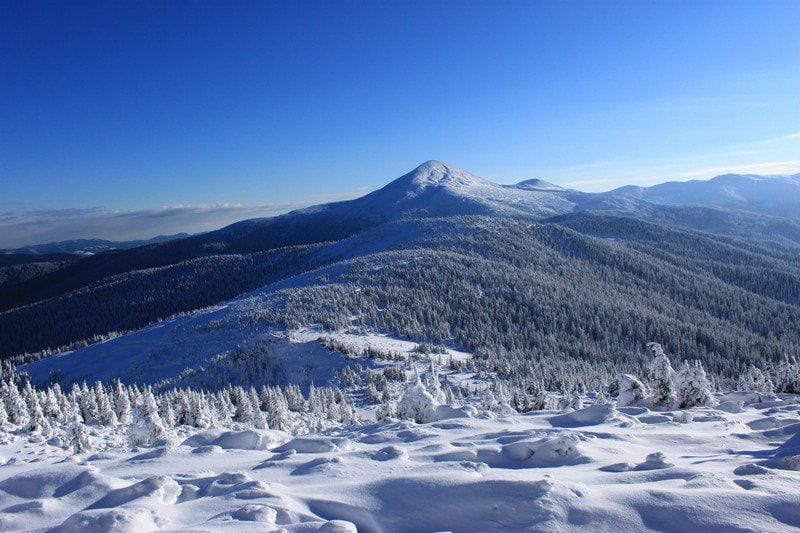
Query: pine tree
x=693 y=388
x=661 y=374
x=122 y=403
x=147 y=426
x=88 y=405
x=416 y=403
x=15 y=407
x=244 y=408
x=38 y=422
x=278 y=410
x=76 y=437
x=755 y=380
x=105 y=410
x=165 y=410
x=787 y=376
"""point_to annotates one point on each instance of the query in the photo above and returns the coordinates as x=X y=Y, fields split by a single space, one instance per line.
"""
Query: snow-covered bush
x=417 y=404
x=631 y=390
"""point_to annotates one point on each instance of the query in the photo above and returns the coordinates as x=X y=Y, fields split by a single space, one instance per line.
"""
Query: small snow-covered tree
x=537 y=399
x=3 y=415
x=787 y=376
x=416 y=403
x=259 y=421
x=755 y=380
x=15 y=406
x=692 y=386
x=38 y=422
x=76 y=437
x=165 y=410
x=122 y=403
x=294 y=398
x=105 y=410
x=51 y=405
x=277 y=410
x=575 y=401
x=661 y=374
x=88 y=404
x=631 y=390
x=147 y=425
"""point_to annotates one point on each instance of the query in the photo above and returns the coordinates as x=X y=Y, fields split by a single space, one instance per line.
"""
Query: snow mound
x=315 y=445
x=161 y=489
x=236 y=440
x=123 y=520
x=388 y=453
x=255 y=513
x=588 y=416
x=654 y=461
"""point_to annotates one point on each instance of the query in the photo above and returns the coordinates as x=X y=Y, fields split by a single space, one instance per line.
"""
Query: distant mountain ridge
x=433 y=189
x=87 y=246
x=772 y=195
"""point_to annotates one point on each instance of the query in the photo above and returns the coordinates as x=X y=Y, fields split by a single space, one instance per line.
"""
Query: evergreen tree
x=693 y=388
x=661 y=374
x=147 y=426
x=755 y=380
x=76 y=437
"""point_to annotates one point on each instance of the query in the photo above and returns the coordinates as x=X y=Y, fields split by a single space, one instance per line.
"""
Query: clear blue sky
x=143 y=104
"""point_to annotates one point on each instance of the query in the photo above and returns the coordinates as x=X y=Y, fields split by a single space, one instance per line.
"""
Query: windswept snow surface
x=598 y=469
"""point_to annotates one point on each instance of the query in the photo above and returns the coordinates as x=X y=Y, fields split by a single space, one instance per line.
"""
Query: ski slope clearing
x=731 y=468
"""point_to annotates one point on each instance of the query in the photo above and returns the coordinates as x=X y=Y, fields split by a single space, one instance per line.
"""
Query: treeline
x=145 y=416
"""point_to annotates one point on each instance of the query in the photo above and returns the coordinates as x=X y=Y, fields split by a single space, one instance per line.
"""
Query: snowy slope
x=600 y=469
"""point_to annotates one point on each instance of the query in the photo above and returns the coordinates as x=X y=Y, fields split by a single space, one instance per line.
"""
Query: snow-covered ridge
x=775 y=195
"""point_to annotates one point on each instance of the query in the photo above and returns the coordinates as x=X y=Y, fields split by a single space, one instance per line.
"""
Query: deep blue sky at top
x=142 y=104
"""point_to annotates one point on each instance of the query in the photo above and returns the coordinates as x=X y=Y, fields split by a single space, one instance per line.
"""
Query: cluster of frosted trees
x=690 y=387
x=662 y=388
x=147 y=416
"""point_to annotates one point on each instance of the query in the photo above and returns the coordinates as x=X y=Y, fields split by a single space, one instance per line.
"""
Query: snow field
x=600 y=468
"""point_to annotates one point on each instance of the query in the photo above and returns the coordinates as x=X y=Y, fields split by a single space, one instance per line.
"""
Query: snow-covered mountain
x=539 y=185
x=775 y=195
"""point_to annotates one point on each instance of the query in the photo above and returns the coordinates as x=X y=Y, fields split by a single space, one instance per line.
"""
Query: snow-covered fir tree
x=692 y=387
x=661 y=374
x=755 y=380
x=147 y=426
x=76 y=437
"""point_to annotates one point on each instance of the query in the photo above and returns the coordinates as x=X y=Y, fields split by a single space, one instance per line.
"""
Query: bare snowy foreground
x=735 y=467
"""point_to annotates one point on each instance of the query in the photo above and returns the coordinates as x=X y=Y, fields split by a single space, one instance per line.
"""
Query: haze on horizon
x=111 y=112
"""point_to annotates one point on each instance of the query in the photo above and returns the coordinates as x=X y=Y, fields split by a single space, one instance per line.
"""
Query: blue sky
x=146 y=104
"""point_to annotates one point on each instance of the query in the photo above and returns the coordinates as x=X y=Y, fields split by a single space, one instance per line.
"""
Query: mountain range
x=551 y=272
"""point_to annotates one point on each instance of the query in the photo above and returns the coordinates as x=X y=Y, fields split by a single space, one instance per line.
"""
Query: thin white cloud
x=19 y=229
x=770 y=168
x=778 y=139
x=587 y=183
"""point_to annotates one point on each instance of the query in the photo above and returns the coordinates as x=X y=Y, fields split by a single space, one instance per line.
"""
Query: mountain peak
x=536 y=184
x=438 y=174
